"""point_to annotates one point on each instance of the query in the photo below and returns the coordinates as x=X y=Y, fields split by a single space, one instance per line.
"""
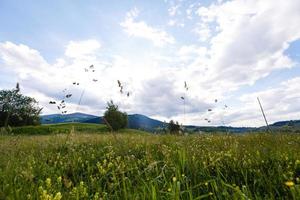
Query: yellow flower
x=59 y=179
x=289 y=183
x=48 y=182
x=110 y=165
x=174 y=179
x=206 y=183
x=57 y=196
x=169 y=189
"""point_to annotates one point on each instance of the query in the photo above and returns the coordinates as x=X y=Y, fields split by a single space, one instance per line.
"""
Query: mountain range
x=135 y=121
x=142 y=122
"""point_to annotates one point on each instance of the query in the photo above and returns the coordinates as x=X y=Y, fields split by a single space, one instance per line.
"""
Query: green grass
x=65 y=128
x=59 y=128
x=137 y=165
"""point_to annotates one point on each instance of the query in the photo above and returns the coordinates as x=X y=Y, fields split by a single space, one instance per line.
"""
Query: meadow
x=69 y=163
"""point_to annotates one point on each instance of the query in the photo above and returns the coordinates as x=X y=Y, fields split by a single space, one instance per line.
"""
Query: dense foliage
x=114 y=118
x=17 y=109
x=144 y=166
x=173 y=127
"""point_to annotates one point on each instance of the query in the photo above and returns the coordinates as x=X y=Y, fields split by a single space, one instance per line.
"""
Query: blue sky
x=232 y=51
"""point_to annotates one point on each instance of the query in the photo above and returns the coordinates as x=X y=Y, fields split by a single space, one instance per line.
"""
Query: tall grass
x=144 y=166
x=58 y=129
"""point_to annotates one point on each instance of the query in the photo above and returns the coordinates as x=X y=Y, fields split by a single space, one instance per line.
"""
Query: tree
x=17 y=109
x=115 y=119
x=173 y=127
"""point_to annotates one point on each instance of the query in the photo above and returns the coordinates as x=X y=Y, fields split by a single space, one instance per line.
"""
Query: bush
x=114 y=118
x=17 y=109
x=173 y=127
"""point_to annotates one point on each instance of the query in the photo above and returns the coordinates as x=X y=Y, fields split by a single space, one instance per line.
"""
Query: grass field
x=59 y=128
x=138 y=165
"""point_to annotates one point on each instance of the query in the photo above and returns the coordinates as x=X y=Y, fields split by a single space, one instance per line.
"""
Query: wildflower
x=57 y=196
x=169 y=189
x=82 y=189
x=96 y=196
x=289 y=183
x=110 y=165
x=210 y=194
x=48 y=182
x=206 y=183
x=58 y=179
x=174 y=179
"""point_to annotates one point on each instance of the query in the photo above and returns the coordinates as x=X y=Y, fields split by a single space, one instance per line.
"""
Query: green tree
x=17 y=109
x=114 y=118
x=173 y=127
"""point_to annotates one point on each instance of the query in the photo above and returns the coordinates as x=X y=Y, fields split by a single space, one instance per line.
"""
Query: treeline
x=17 y=109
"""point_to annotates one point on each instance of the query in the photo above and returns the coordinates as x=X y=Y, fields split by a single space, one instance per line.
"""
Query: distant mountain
x=142 y=122
x=284 y=126
x=135 y=121
x=291 y=123
x=220 y=129
x=59 y=118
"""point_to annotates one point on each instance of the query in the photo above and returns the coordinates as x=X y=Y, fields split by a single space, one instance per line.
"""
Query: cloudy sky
x=233 y=51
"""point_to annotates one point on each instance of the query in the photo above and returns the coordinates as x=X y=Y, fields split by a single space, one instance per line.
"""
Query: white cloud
x=173 y=10
x=204 y=31
x=46 y=81
x=177 y=23
x=162 y=96
x=142 y=30
x=189 y=52
x=250 y=43
x=172 y=22
x=247 y=42
x=21 y=57
x=80 y=49
x=280 y=103
x=243 y=41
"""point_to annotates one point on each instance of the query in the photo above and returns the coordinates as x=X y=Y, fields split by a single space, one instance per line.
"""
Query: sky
x=228 y=53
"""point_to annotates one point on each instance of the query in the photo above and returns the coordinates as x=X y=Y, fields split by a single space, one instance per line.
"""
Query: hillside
x=135 y=121
x=284 y=126
x=220 y=129
x=59 y=118
x=142 y=122
x=290 y=123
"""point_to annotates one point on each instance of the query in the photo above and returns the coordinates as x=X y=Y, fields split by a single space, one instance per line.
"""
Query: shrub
x=115 y=119
x=173 y=127
x=17 y=109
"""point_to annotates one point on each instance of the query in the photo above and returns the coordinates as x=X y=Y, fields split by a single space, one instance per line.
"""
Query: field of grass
x=59 y=128
x=138 y=165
